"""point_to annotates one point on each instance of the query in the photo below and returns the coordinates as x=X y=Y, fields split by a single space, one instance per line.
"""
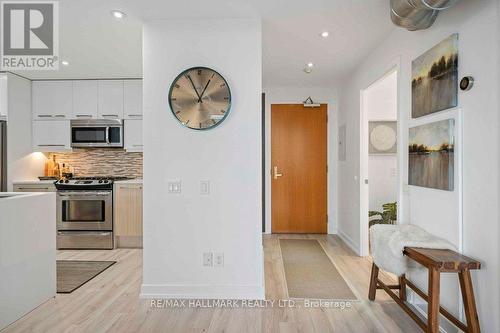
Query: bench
x=437 y=262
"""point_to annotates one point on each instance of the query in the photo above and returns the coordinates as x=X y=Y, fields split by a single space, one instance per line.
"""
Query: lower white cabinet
x=133 y=135
x=51 y=135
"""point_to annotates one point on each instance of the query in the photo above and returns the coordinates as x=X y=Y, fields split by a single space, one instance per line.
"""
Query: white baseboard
x=161 y=291
x=349 y=242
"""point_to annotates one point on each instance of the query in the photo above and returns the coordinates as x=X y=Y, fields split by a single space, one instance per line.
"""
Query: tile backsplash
x=102 y=162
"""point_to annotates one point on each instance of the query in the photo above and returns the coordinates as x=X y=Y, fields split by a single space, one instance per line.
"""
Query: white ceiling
x=99 y=46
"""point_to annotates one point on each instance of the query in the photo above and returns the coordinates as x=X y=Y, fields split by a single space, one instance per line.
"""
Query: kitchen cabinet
x=51 y=135
x=34 y=187
x=132 y=99
x=52 y=100
x=110 y=99
x=133 y=135
x=84 y=99
x=128 y=214
x=28 y=275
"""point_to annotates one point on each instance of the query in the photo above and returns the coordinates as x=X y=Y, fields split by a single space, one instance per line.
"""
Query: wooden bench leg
x=433 y=304
x=373 y=283
x=402 y=288
x=469 y=302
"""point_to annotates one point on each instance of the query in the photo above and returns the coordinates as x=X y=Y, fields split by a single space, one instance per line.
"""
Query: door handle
x=276 y=173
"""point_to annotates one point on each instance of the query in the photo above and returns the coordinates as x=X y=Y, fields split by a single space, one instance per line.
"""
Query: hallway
x=110 y=302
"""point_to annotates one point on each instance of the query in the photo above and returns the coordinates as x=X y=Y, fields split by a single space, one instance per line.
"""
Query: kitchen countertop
x=16 y=195
x=34 y=181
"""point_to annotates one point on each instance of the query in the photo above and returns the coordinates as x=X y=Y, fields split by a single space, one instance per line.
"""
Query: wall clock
x=200 y=98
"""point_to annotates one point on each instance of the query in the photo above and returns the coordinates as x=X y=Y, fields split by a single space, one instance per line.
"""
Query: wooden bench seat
x=437 y=262
x=443 y=260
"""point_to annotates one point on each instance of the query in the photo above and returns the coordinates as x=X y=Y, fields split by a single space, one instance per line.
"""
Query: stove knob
x=100 y=181
x=61 y=181
x=66 y=181
x=106 y=181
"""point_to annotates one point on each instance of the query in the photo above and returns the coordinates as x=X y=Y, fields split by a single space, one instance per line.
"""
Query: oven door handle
x=84 y=194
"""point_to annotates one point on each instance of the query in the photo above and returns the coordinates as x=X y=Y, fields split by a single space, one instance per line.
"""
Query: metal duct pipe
x=417 y=14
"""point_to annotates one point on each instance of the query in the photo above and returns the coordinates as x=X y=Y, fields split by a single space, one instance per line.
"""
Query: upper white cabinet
x=57 y=102
x=132 y=99
x=133 y=135
x=84 y=99
x=110 y=99
x=51 y=135
x=52 y=100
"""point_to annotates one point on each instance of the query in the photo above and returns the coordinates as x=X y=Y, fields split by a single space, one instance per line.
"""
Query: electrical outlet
x=218 y=259
x=205 y=187
x=208 y=259
x=174 y=186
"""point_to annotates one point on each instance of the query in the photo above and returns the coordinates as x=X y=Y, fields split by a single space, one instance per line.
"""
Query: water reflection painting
x=431 y=155
x=435 y=78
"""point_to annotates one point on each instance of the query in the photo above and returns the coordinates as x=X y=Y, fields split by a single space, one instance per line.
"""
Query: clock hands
x=203 y=92
x=196 y=90
x=192 y=83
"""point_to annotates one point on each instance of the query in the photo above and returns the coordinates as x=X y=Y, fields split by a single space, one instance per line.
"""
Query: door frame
x=330 y=104
x=394 y=66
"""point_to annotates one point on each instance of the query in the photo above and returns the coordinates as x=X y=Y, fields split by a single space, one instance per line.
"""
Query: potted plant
x=388 y=215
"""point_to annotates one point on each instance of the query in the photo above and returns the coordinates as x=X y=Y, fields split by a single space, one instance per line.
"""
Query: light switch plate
x=205 y=187
x=208 y=259
x=174 y=186
x=218 y=259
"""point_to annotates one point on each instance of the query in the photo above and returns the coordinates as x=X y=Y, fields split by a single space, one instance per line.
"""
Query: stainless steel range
x=85 y=213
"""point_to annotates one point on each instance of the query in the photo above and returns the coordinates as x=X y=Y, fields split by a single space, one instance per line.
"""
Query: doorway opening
x=299 y=169
x=379 y=157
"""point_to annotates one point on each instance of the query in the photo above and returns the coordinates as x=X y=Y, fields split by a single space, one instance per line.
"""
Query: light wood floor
x=110 y=302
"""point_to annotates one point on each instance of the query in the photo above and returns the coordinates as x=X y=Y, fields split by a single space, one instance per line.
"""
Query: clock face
x=200 y=98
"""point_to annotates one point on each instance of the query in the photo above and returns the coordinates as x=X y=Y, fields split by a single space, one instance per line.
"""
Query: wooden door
x=299 y=168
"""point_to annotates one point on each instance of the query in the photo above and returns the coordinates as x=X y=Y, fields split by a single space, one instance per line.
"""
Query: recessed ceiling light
x=308 y=70
x=118 y=14
x=325 y=34
x=65 y=63
x=310 y=65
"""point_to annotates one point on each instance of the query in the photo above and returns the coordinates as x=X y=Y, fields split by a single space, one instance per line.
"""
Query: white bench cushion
x=388 y=242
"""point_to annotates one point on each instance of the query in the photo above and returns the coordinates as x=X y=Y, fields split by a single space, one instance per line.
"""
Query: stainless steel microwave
x=97 y=133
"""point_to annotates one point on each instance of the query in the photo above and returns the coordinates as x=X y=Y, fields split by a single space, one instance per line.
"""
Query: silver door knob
x=276 y=173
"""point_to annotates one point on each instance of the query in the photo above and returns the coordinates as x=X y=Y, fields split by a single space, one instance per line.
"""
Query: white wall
x=297 y=95
x=381 y=103
x=441 y=212
x=179 y=228
x=22 y=163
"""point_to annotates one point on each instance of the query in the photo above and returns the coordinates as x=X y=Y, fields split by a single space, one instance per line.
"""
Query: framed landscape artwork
x=435 y=78
x=382 y=137
x=432 y=155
